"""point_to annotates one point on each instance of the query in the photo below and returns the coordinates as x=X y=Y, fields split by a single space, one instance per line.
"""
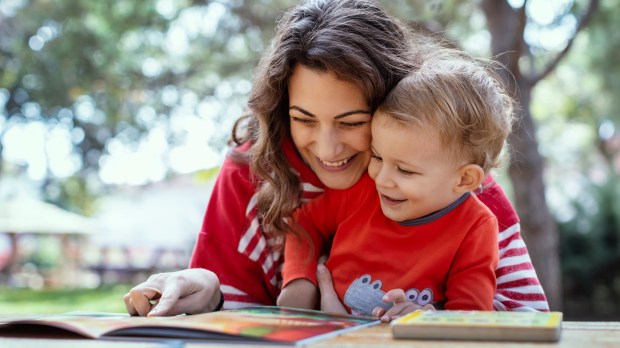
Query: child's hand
x=299 y=293
x=401 y=306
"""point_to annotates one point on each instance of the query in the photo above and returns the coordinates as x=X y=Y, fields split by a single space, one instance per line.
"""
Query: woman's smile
x=338 y=165
x=330 y=126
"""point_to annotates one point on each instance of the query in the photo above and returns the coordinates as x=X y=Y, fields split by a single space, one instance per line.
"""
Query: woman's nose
x=329 y=144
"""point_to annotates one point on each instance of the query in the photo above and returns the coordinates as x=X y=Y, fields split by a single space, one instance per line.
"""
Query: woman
x=330 y=65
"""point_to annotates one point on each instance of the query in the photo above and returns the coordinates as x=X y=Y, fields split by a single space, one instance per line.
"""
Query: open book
x=273 y=325
x=479 y=325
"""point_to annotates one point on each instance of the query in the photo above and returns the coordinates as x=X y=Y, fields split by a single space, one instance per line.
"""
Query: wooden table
x=575 y=334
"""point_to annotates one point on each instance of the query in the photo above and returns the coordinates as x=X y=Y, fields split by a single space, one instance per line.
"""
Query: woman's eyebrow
x=303 y=111
x=344 y=114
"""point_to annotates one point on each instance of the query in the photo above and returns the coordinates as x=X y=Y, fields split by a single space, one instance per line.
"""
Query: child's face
x=415 y=175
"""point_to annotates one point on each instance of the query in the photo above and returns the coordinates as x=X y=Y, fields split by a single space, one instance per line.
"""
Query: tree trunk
x=538 y=225
x=540 y=233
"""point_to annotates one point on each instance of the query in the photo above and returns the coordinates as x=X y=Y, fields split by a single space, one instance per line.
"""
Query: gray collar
x=436 y=215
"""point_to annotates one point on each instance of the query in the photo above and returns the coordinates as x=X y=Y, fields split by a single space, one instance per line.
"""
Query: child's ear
x=471 y=177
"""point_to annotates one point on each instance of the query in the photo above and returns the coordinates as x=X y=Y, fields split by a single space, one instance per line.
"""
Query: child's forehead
x=389 y=129
x=406 y=122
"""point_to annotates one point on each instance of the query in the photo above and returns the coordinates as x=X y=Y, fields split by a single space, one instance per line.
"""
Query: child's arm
x=299 y=293
x=298 y=273
x=301 y=253
x=316 y=221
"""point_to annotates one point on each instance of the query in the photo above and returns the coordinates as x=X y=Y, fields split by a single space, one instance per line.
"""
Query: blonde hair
x=463 y=99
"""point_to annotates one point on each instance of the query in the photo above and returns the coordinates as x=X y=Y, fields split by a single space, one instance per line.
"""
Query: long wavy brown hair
x=354 y=39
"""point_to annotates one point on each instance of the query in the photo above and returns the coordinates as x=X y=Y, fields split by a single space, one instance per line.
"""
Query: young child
x=416 y=229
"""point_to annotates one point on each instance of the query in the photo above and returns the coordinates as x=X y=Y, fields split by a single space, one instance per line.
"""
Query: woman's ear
x=471 y=177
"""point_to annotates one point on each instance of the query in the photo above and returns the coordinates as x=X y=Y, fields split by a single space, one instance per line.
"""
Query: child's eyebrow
x=344 y=114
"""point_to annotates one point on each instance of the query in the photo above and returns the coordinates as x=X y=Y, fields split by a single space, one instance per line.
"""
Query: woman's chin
x=344 y=176
x=340 y=180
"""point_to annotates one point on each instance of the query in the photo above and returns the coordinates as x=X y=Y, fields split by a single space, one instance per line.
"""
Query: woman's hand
x=401 y=306
x=190 y=291
x=329 y=299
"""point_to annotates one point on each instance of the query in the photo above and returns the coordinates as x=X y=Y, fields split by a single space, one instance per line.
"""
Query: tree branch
x=583 y=22
x=519 y=39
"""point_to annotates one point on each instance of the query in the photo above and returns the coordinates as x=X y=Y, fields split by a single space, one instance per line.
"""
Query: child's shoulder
x=364 y=186
x=476 y=208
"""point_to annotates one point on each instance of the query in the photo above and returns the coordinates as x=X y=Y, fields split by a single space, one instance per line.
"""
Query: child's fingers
x=399 y=309
x=378 y=312
x=428 y=307
x=395 y=295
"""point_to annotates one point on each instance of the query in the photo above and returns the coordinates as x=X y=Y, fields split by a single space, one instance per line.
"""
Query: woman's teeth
x=336 y=164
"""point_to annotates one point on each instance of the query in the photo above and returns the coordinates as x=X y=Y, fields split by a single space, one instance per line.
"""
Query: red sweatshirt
x=446 y=259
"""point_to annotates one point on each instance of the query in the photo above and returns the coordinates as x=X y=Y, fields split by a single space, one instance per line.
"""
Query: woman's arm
x=518 y=287
x=232 y=244
x=232 y=257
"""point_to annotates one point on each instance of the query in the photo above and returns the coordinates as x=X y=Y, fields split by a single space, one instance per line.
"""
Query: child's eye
x=375 y=157
x=406 y=172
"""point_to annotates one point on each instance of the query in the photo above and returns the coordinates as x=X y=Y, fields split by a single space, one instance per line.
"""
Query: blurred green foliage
x=105 y=299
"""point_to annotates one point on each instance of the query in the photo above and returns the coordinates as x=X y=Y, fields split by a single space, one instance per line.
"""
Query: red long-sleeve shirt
x=447 y=259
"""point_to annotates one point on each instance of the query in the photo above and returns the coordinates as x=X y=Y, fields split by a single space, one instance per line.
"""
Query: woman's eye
x=353 y=124
x=302 y=120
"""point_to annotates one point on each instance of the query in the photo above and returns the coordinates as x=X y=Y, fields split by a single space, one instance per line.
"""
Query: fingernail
x=320 y=268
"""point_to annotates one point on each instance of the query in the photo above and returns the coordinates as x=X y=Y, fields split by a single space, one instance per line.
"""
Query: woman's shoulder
x=237 y=159
x=235 y=172
x=493 y=196
x=237 y=162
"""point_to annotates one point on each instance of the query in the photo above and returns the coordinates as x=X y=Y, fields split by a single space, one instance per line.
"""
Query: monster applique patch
x=364 y=295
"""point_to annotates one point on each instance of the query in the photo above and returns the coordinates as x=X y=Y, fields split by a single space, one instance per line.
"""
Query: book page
x=274 y=324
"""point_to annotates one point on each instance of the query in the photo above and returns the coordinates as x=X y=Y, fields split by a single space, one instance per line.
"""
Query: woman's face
x=330 y=126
